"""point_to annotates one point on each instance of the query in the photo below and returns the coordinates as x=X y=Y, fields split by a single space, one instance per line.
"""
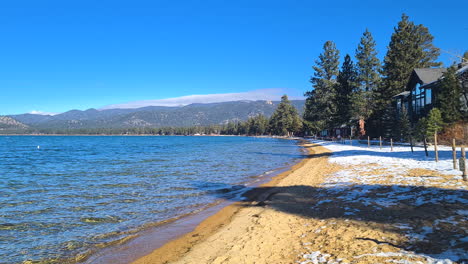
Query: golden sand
x=278 y=225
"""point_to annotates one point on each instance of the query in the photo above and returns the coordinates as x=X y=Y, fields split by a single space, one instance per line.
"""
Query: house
x=421 y=91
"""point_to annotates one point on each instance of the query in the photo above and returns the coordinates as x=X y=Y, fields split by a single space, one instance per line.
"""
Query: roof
x=462 y=69
x=428 y=75
x=458 y=72
x=404 y=94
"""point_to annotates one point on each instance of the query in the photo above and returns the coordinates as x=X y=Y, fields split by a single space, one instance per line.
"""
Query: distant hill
x=8 y=123
x=154 y=116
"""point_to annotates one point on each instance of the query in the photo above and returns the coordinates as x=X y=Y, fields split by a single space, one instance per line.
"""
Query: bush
x=434 y=123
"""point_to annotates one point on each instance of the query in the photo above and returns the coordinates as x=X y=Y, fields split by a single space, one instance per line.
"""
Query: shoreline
x=159 y=234
x=341 y=204
x=175 y=249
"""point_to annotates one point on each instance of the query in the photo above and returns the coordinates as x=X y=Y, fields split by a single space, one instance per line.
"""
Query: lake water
x=74 y=194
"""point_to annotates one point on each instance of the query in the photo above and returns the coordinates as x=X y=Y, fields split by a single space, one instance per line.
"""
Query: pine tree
x=256 y=125
x=410 y=47
x=404 y=125
x=420 y=129
x=368 y=67
x=285 y=121
x=434 y=122
x=320 y=108
x=346 y=83
x=448 y=98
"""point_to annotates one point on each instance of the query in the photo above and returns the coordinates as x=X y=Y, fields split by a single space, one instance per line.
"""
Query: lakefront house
x=421 y=91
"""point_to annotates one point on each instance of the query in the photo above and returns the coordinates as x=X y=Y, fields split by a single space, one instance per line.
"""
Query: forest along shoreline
x=338 y=206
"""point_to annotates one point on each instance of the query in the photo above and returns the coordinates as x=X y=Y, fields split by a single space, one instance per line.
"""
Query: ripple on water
x=78 y=194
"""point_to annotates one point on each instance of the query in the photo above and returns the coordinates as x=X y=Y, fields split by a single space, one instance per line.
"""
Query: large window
x=428 y=96
x=420 y=98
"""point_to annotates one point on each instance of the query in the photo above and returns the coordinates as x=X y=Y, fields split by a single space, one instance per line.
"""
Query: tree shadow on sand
x=433 y=219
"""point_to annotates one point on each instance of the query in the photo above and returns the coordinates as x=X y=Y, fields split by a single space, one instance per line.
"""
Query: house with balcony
x=421 y=91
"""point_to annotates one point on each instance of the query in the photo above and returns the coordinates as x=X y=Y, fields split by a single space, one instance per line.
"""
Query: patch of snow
x=429 y=260
x=315 y=257
x=400 y=157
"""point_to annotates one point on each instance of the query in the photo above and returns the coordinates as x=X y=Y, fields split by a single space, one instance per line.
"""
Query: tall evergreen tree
x=320 y=106
x=368 y=67
x=285 y=121
x=410 y=47
x=448 y=98
x=346 y=83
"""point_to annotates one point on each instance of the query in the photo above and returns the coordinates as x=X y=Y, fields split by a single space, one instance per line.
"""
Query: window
x=428 y=96
x=417 y=88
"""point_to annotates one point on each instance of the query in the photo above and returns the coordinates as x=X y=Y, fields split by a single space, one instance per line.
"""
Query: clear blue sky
x=62 y=55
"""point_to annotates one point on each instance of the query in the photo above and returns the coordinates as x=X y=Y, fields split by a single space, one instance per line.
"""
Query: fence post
x=380 y=142
x=368 y=141
x=454 y=154
x=463 y=167
x=425 y=147
x=411 y=143
x=391 y=144
x=435 y=147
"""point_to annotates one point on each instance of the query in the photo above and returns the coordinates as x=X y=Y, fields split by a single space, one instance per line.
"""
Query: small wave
x=8 y=226
x=99 y=220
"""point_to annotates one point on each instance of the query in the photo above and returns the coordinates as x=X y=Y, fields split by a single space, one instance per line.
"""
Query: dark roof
x=428 y=75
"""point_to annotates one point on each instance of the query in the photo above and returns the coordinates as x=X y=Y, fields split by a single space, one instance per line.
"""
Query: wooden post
x=380 y=142
x=435 y=147
x=463 y=166
x=411 y=143
x=391 y=144
x=368 y=141
x=425 y=147
x=350 y=140
x=454 y=154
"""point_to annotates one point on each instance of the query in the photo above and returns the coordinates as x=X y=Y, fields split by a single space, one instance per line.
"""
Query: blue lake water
x=75 y=193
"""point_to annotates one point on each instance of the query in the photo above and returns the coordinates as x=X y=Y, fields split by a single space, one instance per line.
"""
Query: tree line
x=285 y=121
x=361 y=92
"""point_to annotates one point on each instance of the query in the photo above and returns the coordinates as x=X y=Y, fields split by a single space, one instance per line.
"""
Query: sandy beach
x=328 y=210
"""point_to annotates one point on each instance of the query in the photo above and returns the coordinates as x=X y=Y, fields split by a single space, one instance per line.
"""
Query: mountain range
x=150 y=116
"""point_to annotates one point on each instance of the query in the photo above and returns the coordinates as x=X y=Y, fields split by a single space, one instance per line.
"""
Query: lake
x=61 y=196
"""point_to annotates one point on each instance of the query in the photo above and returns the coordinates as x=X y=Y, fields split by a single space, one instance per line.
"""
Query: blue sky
x=62 y=55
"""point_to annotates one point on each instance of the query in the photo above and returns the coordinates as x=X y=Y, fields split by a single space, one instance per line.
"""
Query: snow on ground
x=374 y=164
x=423 y=200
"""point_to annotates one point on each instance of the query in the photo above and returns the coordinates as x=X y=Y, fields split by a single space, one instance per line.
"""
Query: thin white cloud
x=35 y=112
x=262 y=94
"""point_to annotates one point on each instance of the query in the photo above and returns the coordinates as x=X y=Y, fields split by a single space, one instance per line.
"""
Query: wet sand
x=250 y=232
x=298 y=217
